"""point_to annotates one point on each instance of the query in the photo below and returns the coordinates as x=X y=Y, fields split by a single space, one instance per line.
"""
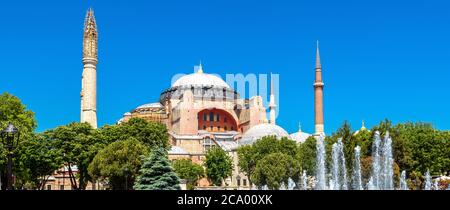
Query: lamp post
x=11 y=137
x=126 y=178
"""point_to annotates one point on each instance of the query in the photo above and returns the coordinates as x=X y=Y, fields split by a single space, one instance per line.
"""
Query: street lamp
x=11 y=137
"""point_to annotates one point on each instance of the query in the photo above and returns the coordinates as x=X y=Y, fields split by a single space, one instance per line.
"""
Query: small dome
x=299 y=137
x=150 y=105
x=200 y=79
x=258 y=131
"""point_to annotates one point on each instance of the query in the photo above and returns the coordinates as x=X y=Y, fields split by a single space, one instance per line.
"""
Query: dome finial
x=362 y=125
x=200 y=68
x=299 y=127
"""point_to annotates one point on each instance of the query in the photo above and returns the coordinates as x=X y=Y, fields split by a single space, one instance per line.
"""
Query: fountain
x=388 y=161
x=403 y=183
x=427 y=180
x=382 y=176
x=435 y=184
x=375 y=179
x=304 y=181
x=339 y=172
x=320 y=164
x=357 y=182
x=382 y=163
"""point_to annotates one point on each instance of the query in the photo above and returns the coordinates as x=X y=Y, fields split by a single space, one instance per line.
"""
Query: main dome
x=200 y=79
x=258 y=131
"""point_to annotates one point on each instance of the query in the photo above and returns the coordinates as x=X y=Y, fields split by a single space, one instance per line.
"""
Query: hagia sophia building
x=200 y=111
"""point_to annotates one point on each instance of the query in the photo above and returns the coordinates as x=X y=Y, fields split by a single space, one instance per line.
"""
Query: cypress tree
x=157 y=173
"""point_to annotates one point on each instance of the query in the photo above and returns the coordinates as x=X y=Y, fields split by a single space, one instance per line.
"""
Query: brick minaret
x=89 y=77
x=318 y=96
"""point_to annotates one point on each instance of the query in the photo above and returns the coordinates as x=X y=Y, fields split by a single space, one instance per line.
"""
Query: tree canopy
x=189 y=171
x=157 y=173
x=218 y=164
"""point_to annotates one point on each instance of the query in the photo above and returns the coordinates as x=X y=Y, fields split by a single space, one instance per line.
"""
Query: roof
x=257 y=132
x=150 y=105
x=200 y=79
x=299 y=137
x=175 y=150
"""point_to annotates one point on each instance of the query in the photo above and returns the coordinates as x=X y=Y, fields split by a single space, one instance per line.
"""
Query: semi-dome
x=200 y=79
x=258 y=131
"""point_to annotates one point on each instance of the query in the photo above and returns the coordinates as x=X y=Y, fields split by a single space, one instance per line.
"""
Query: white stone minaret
x=272 y=105
x=89 y=77
x=318 y=96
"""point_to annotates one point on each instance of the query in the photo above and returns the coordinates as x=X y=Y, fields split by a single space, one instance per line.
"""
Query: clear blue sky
x=381 y=59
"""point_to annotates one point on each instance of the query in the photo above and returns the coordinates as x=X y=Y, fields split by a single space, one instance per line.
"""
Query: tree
x=152 y=134
x=78 y=145
x=157 y=173
x=307 y=155
x=274 y=170
x=13 y=111
x=119 y=163
x=218 y=165
x=38 y=159
x=249 y=155
x=189 y=171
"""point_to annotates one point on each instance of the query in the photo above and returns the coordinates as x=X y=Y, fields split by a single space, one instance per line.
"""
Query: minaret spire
x=272 y=104
x=318 y=96
x=89 y=77
x=318 y=64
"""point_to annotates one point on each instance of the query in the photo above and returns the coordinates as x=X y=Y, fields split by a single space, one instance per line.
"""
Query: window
x=225 y=119
x=225 y=128
x=61 y=187
x=245 y=182
x=232 y=128
x=238 y=182
x=49 y=187
x=218 y=118
x=211 y=128
x=204 y=117
x=211 y=116
x=207 y=144
x=204 y=127
x=218 y=128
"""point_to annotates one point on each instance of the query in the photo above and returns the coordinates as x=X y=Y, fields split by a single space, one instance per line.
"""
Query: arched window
x=211 y=116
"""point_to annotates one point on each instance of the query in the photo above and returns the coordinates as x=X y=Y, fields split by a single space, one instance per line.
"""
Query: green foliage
x=250 y=155
x=189 y=171
x=119 y=163
x=13 y=111
x=77 y=145
x=274 y=170
x=36 y=159
x=218 y=164
x=157 y=173
x=307 y=155
x=152 y=134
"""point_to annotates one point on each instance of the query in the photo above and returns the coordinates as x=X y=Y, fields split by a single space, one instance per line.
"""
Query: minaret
x=318 y=96
x=89 y=77
x=272 y=105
